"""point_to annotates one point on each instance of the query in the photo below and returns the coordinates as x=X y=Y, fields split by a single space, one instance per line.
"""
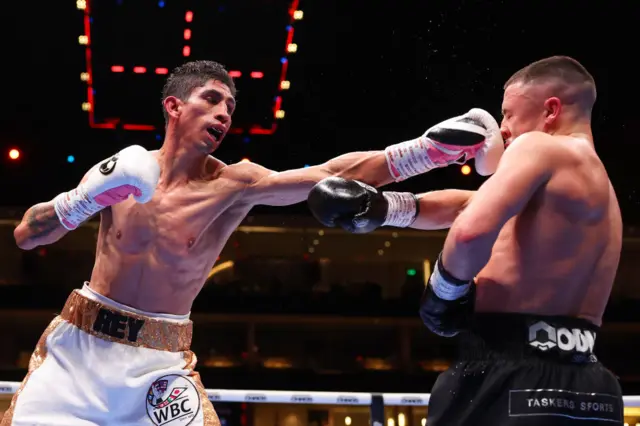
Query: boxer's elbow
x=22 y=238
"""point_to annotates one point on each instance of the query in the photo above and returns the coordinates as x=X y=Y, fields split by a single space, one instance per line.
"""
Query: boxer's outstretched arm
x=439 y=209
x=524 y=168
x=292 y=186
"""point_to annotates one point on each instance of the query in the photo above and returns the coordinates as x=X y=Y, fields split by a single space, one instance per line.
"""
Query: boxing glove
x=359 y=208
x=132 y=171
x=475 y=134
x=447 y=303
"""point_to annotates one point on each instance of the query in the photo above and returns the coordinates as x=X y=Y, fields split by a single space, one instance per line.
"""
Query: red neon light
x=187 y=34
x=278 y=104
x=139 y=70
x=235 y=74
x=137 y=127
x=257 y=74
x=188 y=16
x=186 y=51
x=162 y=71
x=117 y=68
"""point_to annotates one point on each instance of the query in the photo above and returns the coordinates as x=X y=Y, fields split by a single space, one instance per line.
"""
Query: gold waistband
x=116 y=325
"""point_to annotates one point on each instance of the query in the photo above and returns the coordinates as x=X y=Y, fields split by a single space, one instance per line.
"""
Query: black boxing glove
x=359 y=208
x=448 y=303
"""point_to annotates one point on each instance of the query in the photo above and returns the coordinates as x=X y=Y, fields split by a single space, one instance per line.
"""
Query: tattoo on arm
x=42 y=220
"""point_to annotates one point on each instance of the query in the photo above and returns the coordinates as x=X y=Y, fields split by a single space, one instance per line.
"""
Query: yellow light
x=83 y=39
x=81 y=4
x=423 y=422
x=285 y=84
x=465 y=169
x=245 y=160
x=316 y=242
x=347 y=420
x=221 y=267
x=311 y=250
x=387 y=244
x=84 y=76
x=279 y=113
x=426 y=269
x=86 y=106
x=391 y=422
x=298 y=14
x=14 y=154
x=380 y=252
x=292 y=47
x=401 y=419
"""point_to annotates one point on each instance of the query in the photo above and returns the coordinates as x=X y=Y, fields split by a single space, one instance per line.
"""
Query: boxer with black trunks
x=527 y=266
x=119 y=352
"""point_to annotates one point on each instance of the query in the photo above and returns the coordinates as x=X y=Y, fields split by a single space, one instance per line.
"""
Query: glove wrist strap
x=444 y=285
x=74 y=207
x=402 y=210
x=410 y=158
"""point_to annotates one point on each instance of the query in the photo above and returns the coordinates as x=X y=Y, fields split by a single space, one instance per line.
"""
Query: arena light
x=83 y=39
x=187 y=34
x=139 y=70
x=347 y=421
x=279 y=114
x=292 y=48
x=298 y=15
x=81 y=4
x=117 y=68
x=86 y=106
x=162 y=71
x=245 y=160
x=285 y=84
x=188 y=16
x=235 y=74
x=186 y=51
x=257 y=74
x=14 y=154
x=466 y=169
x=70 y=158
x=84 y=76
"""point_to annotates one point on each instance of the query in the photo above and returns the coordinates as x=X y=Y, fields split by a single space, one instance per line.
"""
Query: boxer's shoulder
x=245 y=172
x=553 y=151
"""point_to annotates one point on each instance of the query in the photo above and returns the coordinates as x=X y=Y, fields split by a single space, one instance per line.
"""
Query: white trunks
x=103 y=363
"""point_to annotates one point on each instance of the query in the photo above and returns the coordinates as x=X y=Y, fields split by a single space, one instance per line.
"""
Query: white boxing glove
x=132 y=171
x=488 y=156
x=475 y=134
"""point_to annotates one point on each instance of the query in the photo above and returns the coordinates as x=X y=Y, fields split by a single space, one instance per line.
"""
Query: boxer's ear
x=173 y=106
x=553 y=107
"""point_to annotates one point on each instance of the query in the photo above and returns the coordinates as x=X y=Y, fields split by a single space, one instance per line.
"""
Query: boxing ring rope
x=376 y=401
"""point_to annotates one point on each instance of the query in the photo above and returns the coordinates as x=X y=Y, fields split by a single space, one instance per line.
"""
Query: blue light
x=161 y=3
x=91 y=20
x=221 y=9
x=289 y=27
x=158 y=137
x=306 y=165
x=71 y=159
x=246 y=139
x=283 y=60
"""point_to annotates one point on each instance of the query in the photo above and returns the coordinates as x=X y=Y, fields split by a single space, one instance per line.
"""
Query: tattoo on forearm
x=42 y=220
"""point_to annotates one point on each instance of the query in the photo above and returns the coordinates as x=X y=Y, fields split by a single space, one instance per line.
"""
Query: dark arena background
x=291 y=305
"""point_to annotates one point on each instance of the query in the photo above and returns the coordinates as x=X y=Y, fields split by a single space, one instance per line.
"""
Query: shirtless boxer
x=118 y=354
x=535 y=249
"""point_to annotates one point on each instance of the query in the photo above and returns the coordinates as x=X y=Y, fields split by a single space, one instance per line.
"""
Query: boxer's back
x=560 y=255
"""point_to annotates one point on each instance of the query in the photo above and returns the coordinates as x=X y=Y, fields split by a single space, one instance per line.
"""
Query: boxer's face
x=205 y=117
x=522 y=112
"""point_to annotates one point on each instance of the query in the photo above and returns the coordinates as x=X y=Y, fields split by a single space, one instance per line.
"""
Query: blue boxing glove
x=447 y=303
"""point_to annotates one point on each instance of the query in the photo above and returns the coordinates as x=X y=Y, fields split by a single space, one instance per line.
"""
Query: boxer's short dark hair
x=563 y=69
x=194 y=74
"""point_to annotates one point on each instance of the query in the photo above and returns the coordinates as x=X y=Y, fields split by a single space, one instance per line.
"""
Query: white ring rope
x=311 y=397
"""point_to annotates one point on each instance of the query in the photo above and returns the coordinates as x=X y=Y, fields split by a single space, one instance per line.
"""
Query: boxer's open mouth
x=215 y=132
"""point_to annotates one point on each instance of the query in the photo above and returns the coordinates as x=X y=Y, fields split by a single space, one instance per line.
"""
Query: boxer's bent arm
x=524 y=168
x=293 y=186
x=439 y=209
x=40 y=225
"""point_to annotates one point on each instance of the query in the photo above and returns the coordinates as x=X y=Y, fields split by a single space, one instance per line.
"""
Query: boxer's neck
x=574 y=128
x=178 y=163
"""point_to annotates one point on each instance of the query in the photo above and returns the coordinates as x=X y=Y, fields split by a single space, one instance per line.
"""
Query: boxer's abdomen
x=549 y=263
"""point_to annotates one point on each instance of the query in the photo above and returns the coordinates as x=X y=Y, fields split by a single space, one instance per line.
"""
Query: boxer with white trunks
x=118 y=354
x=527 y=266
